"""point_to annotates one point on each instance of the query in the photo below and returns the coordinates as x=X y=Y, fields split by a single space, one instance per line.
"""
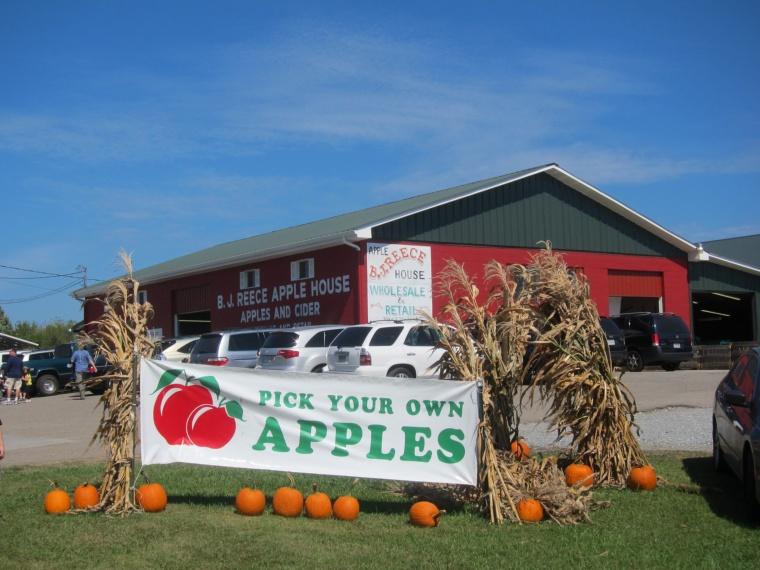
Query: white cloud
x=314 y=87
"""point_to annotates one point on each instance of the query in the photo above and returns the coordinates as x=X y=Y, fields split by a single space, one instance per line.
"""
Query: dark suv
x=655 y=338
x=615 y=340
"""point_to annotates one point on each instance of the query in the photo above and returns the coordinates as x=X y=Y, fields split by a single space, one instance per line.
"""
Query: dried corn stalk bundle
x=488 y=345
x=121 y=333
x=537 y=326
x=571 y=366
x=544 y=481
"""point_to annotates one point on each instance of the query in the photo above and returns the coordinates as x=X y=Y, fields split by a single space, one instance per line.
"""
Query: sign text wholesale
x=407 y=429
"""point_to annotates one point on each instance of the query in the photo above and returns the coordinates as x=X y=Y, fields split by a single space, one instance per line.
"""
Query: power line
x=41 y=272
x=43 y=295
x=5 y=277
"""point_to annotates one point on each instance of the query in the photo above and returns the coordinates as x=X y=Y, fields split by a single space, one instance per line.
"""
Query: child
x=26 y=387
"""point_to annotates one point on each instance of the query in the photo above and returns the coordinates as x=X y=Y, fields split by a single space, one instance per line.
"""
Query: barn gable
x=523 y=212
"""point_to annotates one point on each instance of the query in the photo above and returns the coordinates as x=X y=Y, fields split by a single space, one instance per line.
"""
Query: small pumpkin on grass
x=530 y=510
x=643 y=478
x=250 y=502
x=86 y=496
x=520 y=448
x=152 y=497
x=346 y=508
x=318 y=505
x=579 y=474
x=57 y=501
x=425 y=514
x=288 y=501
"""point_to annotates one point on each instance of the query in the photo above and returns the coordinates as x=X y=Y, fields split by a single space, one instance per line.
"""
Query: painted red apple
x=172 y=408
x=209 y=426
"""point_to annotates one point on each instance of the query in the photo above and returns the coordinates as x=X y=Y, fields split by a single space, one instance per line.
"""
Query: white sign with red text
x=399 y=281
x=406 y=429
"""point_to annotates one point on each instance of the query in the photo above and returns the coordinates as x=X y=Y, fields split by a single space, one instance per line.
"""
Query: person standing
x=82 y=362
x=2 y=444
x=26 y=388
x=14 y=371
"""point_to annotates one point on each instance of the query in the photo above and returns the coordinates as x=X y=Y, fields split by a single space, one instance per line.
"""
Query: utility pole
x=83 y=269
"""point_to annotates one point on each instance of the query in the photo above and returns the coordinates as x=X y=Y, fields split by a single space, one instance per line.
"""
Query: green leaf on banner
x=234 y=410
x=210 y=383
x=167 y=378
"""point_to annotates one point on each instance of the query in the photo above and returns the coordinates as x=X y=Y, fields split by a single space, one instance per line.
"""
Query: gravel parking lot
x=674 y=414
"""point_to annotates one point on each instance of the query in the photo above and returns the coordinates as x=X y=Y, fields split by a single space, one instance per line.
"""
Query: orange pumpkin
x=579 y=474
x=250 y=502
x=152 y=497
x=86 y=496
x=520 y=448
x=318 y=505
x=287 y=502
x=643 y=478
x=346 y=508
x=530 y=510
x=57 y=501
x=425 y=514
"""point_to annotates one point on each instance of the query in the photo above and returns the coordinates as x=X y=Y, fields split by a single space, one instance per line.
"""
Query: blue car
x=736 y=425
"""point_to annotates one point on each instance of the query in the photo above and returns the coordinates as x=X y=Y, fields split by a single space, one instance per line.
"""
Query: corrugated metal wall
x=524 y=212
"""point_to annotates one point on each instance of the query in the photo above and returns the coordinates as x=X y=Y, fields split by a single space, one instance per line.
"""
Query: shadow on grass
x=722 y=491
x=367 y=506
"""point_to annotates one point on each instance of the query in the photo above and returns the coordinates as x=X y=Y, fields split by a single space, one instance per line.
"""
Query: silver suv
x=303 y=349
x=229 y=348
x=400 y=349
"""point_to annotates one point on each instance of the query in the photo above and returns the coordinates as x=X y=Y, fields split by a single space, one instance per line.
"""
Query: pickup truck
x=52 y=374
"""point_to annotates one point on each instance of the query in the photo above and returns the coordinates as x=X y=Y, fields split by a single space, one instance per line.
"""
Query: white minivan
x=400 y=349
x=303 y=349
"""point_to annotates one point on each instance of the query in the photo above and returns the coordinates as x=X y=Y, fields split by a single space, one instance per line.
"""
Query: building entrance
x=190 y=324
x=720 y=317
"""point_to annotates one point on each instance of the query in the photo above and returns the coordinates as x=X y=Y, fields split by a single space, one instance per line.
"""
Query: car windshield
x=671 y=325
x=352 y=336
x=284 y=339
x=208 y=343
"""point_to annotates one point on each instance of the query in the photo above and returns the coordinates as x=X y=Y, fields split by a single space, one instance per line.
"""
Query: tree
x=46 y=335
x=5 y=323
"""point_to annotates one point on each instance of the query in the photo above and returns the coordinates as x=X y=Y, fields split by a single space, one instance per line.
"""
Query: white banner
x=380 y=428
x=399 y=281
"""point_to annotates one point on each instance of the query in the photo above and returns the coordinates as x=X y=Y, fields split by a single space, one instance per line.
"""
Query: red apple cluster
x=186 y=415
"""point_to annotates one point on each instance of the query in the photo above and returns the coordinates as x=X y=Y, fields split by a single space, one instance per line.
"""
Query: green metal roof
x=358 y=226
x=745 y=249
x=321 y=233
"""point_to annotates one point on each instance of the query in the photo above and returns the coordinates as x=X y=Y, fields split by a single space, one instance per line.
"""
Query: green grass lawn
x=199 y=529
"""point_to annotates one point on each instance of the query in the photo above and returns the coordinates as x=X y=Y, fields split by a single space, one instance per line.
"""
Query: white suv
x=303 y=349
x=400 y=349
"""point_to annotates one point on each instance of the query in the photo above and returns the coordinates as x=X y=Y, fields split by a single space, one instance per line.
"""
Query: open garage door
x=190 y=324
x=192 y=313
x=634 y=291
x=722 y=317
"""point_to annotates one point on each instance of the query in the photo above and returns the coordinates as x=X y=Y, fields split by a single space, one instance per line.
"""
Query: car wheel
x=748 y=476
x=319 y=369
x=634 y=362
x=47 y=385
x=719 y=463
x=671 y=366
x=400 y=372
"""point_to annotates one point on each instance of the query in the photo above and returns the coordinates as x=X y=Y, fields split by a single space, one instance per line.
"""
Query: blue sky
x=166 y=127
